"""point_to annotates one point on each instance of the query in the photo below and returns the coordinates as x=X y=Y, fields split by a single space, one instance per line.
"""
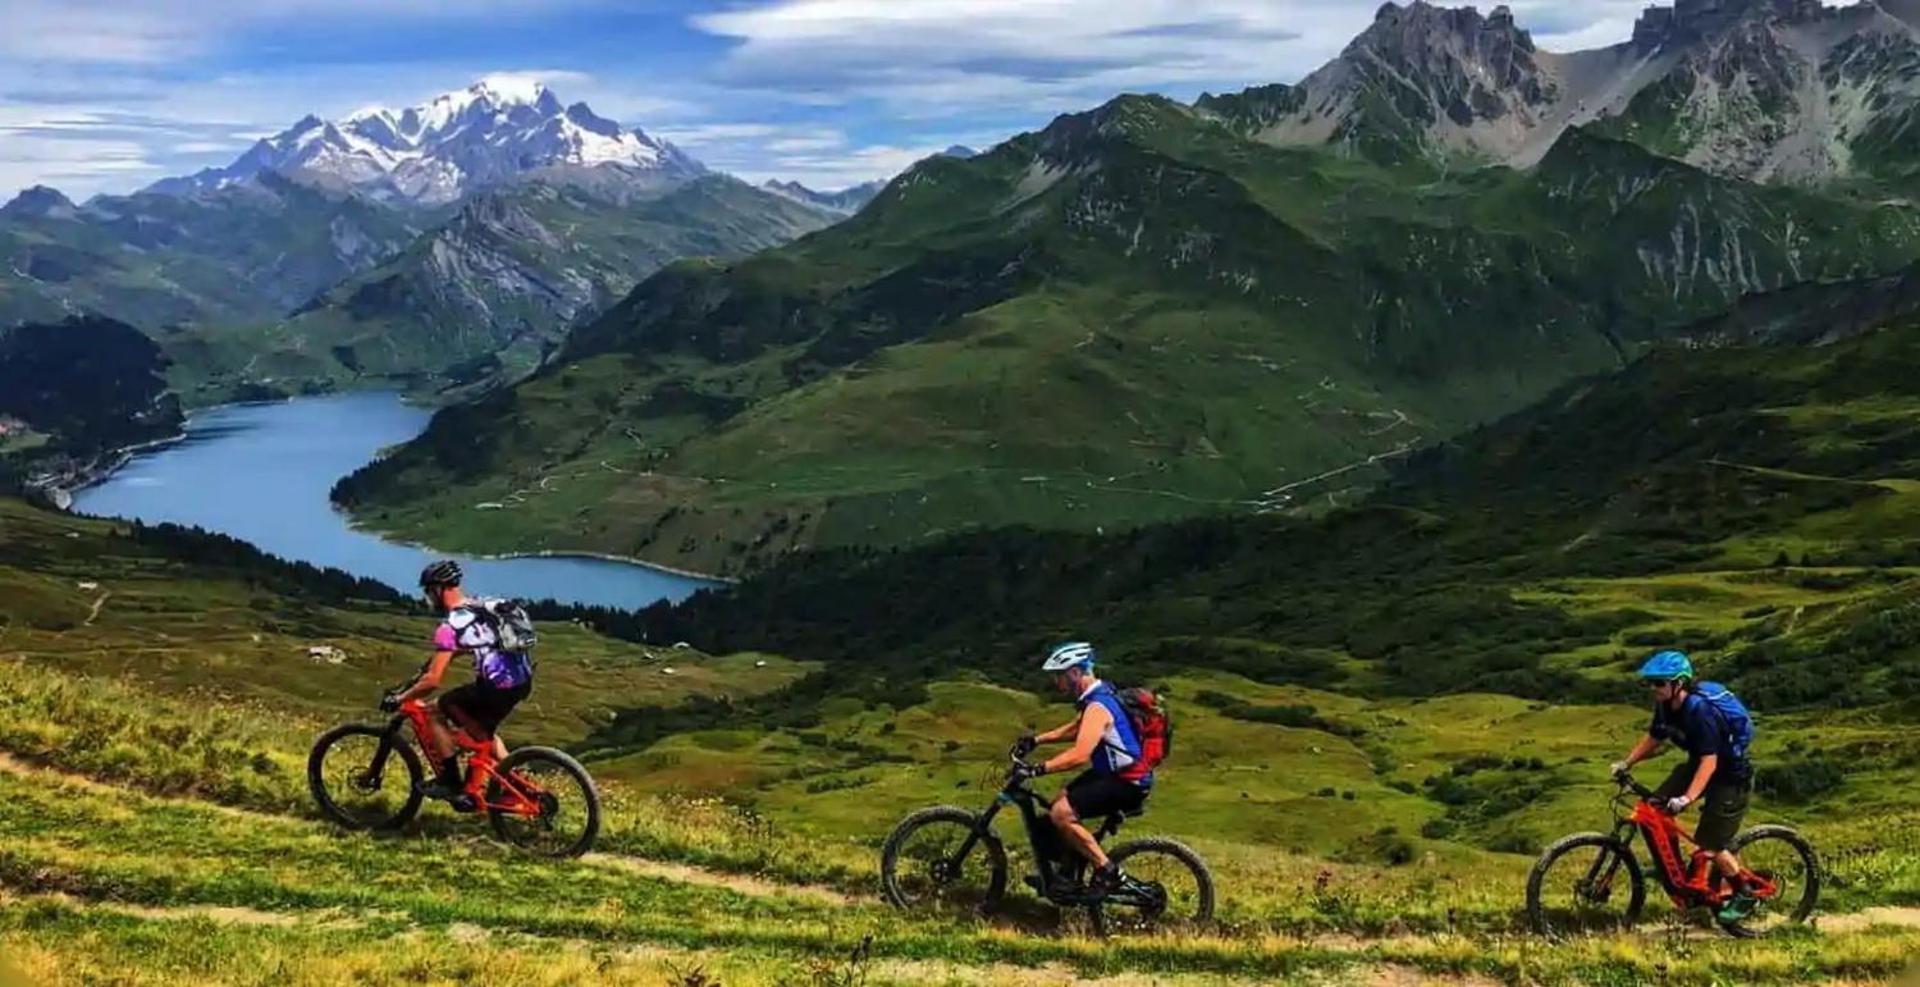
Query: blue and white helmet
x=1069 y=655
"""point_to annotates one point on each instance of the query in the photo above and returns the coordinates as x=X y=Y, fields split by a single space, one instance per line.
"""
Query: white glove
x=1618 y=768
x=1678 y=804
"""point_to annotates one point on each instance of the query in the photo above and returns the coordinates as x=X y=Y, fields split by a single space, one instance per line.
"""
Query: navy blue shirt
x=1696 y=727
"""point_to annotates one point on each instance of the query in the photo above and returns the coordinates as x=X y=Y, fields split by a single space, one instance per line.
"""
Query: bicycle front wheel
x=359 y=786
x=542 y=801
x=1588 y=882
x=1786 y=862
x=922 y=866
x=1166 y=889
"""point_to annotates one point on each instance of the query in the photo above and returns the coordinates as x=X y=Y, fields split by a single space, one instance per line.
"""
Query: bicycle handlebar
x=1625 y=780
x=1015 y=761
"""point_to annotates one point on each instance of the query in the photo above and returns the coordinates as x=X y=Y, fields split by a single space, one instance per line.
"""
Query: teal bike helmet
x=1668 y=666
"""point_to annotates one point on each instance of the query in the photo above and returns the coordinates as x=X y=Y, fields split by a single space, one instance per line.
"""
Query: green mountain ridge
x=247 y=253
x=1203 y=322
x=497 y=287
x=1635 y=507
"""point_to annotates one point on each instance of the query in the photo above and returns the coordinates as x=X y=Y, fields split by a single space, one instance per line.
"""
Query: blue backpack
x=1735 y=721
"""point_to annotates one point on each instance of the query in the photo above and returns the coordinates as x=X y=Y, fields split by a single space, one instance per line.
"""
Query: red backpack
x=1152 y=725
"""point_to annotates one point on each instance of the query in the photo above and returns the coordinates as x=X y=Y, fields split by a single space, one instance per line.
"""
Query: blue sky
x=108 y=95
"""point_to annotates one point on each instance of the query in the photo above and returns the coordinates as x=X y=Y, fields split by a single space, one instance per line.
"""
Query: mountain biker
x=501 y=680
x=1104 y=740
x=1686 y=719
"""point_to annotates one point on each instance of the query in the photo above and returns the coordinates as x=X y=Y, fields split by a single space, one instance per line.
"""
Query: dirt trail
x=1385 y=975
x=1906 y=918
x=746 y=884
x=753 y=887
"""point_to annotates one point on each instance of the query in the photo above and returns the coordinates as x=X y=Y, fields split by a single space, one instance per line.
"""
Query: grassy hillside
x=1203 y=323
x=153 y=732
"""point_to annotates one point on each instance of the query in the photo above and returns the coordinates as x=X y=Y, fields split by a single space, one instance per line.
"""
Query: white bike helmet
x=1068 y=655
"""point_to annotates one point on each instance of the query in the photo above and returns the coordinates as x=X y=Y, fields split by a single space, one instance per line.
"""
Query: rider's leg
x=1721 y=812
x=444 y=750
x=1077 y=836
x=1722 y=809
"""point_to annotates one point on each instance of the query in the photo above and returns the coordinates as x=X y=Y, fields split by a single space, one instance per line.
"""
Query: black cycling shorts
x=1093 y=795
x=1722 y=806
x=483 y=704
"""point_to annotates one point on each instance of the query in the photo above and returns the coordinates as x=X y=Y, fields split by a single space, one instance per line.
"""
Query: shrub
x=1800 y=780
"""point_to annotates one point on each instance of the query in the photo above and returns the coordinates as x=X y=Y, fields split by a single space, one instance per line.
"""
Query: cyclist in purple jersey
x=501 y=679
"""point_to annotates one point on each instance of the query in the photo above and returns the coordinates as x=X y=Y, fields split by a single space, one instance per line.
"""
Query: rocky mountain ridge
x=1788 y=91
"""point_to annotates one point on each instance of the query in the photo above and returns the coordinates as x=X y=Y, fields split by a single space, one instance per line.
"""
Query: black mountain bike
x=948 y=858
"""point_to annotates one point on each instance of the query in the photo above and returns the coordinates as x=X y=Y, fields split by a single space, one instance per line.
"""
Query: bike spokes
x=365 y=781
x=1788 y=882
x=1583 y=885
x=1165 y=890
x=544 y=803
x=936 y=868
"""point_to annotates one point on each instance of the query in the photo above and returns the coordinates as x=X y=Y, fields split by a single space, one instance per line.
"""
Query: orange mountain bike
x=1591 y=881
x=537 y=798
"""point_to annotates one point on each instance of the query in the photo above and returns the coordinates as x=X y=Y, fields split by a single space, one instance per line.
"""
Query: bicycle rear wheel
x=1167 y=890
x=1577 y=887
x=1788 y=863
x=359 y=788
x=542 y=801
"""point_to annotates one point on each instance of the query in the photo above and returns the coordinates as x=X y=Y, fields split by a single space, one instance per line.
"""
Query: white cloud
x=925 y=57
x=840 y=169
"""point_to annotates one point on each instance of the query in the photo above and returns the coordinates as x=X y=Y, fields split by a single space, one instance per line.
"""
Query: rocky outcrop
x=1773 y=90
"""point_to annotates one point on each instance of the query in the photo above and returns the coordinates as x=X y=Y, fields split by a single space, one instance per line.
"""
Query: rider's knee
x=1062 y=813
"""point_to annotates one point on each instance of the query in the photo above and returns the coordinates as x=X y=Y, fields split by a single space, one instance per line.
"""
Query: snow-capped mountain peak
x=496 y=130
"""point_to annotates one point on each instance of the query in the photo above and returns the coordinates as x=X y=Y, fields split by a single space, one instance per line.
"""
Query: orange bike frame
x=1692 y=883
x=521 y=795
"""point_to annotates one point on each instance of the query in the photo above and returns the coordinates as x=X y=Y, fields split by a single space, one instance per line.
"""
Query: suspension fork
x=1599 y=880
x=982 y=830
x=376 y=770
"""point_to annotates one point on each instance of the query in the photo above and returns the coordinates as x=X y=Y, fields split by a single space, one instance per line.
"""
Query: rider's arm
x=1093 y=726
x=1701 y=776
x=1059 y=733
x=1641 y=751
x=429 y=680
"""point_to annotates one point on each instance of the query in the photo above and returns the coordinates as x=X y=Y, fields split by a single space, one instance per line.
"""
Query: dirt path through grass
x=752 y=887
x=682 y=873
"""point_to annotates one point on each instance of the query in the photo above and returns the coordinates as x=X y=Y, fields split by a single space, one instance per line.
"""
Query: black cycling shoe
x=463 y=803
x=1106 y=880
x=444 y=789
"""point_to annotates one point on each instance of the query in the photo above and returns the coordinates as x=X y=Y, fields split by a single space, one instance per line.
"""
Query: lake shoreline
x=261 y=472
x=61 y=489
x=544 y=553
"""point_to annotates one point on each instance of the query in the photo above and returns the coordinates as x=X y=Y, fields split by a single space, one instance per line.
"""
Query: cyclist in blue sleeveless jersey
x=1105 y=743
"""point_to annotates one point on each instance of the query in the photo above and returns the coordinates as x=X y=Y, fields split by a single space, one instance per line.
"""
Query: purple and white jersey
x=465 y=631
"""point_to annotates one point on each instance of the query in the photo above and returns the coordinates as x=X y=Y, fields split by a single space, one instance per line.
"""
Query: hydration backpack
x=512 y=628
x=1151 y=725
x=1736 y=723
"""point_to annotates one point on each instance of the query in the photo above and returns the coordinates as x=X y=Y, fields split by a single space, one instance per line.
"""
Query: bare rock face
x=1772 y=90
x=1423 y=78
